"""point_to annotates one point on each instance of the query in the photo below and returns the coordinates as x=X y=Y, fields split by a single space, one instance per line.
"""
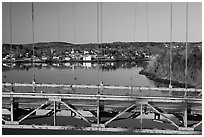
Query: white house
x=72 y=52
x=66 y=58
x=55 y=57
x=87 y=57
x=44 y=58
x=86 y=52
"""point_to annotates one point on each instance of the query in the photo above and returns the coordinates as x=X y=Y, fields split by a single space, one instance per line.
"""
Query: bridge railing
x=100 y=86
x=139 y=104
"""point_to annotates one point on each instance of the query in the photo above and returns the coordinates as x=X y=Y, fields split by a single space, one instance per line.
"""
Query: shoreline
x=62 y=61
x=165 y=81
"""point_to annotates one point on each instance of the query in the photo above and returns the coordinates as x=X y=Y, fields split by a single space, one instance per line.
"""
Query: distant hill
x=50 y=44
x=43 y=44
x=119 y=48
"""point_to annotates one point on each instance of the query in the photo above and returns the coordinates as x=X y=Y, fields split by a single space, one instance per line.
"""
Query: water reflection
x=111 y=73
x=105 y=66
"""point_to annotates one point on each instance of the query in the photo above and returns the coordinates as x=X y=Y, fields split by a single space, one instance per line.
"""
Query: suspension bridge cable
x=186 y=63
x=99 y=30
x=10 y=11
x=97 y=16
x=101 y=40
x=33 y=40
x=11 y=39
x=170 y=76
x=74 y=23
x=12 y=87
x=134 y=33
x=74 y=40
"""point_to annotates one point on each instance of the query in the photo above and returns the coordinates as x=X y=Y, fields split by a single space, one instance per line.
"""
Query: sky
x=121 y=21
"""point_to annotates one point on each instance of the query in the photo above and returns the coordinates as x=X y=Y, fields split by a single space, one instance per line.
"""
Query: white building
x=72 y=52
x=44 y=58
x=87 y=65
x=86 y=52
x=55 y=57
x=66 y=58
x=87 y=57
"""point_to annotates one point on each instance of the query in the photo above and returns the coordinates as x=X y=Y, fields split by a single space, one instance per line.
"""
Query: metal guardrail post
x=34 y=87
x=12 y=104
x=185 y=118
x=98 y=111
x=54 y=113
x=12 y=108
x=170 y=90
x=99 y=105
x=141 y=116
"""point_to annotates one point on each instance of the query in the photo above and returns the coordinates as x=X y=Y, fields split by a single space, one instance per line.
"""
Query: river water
x=111 y=73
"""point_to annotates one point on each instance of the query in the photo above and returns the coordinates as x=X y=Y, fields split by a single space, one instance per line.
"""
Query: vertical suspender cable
x=186 y=68
x=74 y=40
x=12 y=89
x=97 y=16
x=101 y=40
x=10 y=8
x=11 y=39
x=33 y=39
x=33 y=29
x=134 y=33
x=170 y=65
x=147 y=20
x=98 y=65
x=74 y=27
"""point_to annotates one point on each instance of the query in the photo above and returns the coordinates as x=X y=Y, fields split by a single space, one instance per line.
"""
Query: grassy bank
x=159 y=68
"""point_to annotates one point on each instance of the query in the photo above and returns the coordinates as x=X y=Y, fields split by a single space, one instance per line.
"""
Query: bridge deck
x=181 y=107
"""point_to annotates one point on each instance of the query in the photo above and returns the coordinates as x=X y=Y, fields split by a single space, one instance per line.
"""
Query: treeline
x=160 y=66
x=117 y=48
x=20 y=50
